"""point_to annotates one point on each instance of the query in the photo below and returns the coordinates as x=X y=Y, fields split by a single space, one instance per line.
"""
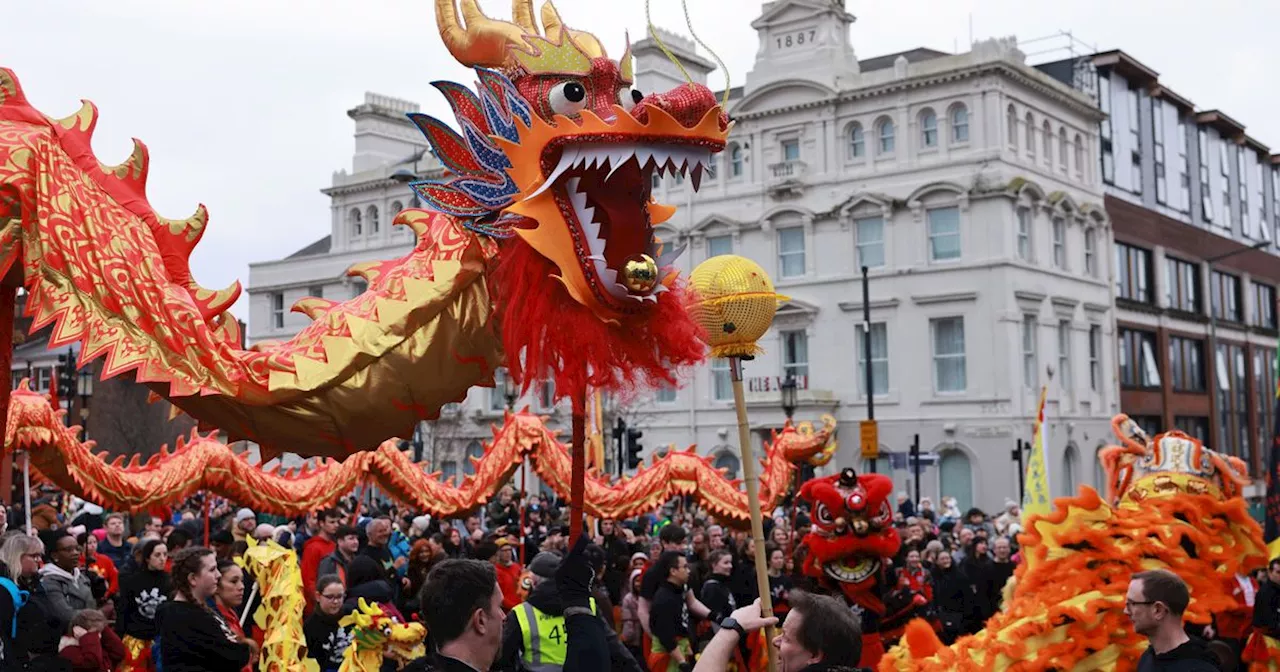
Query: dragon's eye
x=568 y=98
x=629 y=97
x=823 y=515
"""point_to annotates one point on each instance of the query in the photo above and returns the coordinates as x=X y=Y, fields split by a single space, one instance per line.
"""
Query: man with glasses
x=1155 y=602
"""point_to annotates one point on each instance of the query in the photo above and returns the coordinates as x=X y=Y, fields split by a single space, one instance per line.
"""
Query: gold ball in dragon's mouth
x=640 y=273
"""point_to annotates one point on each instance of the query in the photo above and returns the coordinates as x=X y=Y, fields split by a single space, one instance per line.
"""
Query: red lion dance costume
x=851 y=553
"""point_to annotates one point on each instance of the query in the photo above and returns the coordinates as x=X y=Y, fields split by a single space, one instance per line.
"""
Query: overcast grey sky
x=242 y=102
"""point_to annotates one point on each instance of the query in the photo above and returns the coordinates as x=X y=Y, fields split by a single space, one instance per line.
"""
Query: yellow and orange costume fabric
x=1172 y=503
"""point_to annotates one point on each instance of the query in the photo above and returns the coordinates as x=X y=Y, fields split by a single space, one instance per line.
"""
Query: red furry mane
x=544 y=329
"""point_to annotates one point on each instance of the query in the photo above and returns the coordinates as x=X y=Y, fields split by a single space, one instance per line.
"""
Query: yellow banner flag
x=1036 y=498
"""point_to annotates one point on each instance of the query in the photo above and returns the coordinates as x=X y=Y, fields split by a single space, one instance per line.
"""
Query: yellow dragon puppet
x=536 y=250
x=1172 y=504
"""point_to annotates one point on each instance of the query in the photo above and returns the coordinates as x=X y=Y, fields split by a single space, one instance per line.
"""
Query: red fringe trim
x=546 y=330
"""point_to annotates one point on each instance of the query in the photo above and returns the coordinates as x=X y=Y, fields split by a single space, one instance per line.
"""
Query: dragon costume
x=203 y=463
x=536 y=250
x=850 y=553
x=1172 y=503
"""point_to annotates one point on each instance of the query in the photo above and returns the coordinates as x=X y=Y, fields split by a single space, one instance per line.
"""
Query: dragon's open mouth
x=856 y=573
x=604 y=192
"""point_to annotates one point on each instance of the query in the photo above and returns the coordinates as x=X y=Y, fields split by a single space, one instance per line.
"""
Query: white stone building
x=967 y=183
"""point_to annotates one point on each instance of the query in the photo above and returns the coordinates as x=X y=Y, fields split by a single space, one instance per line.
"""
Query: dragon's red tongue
x=620 y=208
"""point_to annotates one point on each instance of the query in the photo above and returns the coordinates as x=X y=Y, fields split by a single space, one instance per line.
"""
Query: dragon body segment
x=202 y=462
x=1173 y=504
x=535 y=251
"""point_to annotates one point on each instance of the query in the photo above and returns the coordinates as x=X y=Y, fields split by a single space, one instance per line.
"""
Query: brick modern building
x=1194 y=202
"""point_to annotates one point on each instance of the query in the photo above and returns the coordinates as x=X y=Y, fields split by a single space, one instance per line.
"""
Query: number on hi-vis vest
x=556 y=635
x=796 y=39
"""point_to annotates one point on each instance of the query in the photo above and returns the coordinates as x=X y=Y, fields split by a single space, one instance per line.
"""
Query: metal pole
x=26 y=488
x=866 y=352
x=1017 y=455
x=753 y=502
x=915 y=451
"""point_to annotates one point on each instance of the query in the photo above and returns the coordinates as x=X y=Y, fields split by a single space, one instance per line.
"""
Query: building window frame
x=1059 y=243
x=1157 y=150
x=1139 y=364
x=947 y=338
x=1182 y=285
x=1064 y=354
x=869 y=247
x=791 y=255
x=1225 y=297
x=856 y=146
x=945 y=242
x=277 y=310
x=885 y=133
x=719 y=245
x=879 y=359
x=795 y=352
x=1186 y=364
x=959 y=117
x=1264 y=305
x=1029 y=329
x=721 y=382
x=1091 y=252
x=1133 y=273
x=1105 y=131
x=1095 y=356
x=1026 y=230
x=928 y=129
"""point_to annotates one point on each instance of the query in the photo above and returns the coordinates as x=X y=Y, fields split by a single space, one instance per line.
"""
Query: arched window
x=373 y=220
x=1062 y=149
x=956 y=478
x=1031 y=135
x=959 y=123
x=474 y=449
x=885 y=131
x=857 y=144
x=355 y=222
x=1079 y=155
x=396 y=207
x=1011 y=122
x=448 y=470
x=1047 y=139
x=735 y=160
x=1070 y=470
x=730 y=463
x=928 y=128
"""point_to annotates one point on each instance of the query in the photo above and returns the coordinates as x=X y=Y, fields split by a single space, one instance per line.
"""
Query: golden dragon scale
x=204 y=463
x=1174 y=504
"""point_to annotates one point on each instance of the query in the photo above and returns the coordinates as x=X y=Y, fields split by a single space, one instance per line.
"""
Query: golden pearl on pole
x=640 y=273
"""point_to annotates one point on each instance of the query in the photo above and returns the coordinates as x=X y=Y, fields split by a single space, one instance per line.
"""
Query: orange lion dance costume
x=537 y=250
x=1171 y=503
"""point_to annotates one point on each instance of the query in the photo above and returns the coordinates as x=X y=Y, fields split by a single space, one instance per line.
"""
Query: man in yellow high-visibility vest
x=534 y=638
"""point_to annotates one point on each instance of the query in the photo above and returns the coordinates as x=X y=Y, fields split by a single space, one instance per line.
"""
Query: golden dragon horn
x=553 y=25
x=522 y=14
x=483 y=42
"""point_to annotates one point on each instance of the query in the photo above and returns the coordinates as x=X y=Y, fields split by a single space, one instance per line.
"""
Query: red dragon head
x=557 y=151
x=853 y=523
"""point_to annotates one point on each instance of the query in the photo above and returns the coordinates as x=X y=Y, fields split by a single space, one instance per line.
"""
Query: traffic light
x=633 y=447
x=66 y=377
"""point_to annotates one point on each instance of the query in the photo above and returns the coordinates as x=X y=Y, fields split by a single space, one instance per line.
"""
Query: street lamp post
x=1213 y=317
x=85 y=387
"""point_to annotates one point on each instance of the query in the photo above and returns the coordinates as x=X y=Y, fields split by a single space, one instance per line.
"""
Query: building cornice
x=1076 y=102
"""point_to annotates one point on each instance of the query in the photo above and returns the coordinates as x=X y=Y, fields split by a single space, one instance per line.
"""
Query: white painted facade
x=803 y=194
